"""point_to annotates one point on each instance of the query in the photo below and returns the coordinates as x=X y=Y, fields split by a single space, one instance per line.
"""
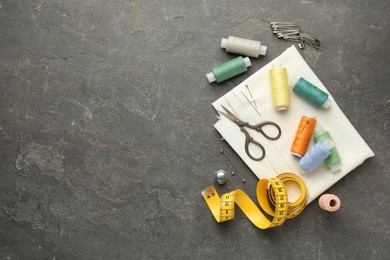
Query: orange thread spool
x=303 y=135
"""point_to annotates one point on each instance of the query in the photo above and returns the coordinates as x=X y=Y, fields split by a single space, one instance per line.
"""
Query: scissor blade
x=228 y=116
x=229 y=112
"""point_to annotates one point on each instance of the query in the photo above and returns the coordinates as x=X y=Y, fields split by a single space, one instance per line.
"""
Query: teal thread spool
x=229 y=69
x=333 y=161
x=310 y=92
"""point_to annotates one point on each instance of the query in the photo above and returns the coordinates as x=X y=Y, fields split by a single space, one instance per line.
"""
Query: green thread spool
x=310 y=92
x=333 y=161
x=229 y=69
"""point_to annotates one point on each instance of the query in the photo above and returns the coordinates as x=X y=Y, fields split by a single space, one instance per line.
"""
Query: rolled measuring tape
x=269 y=192
x=295 y=207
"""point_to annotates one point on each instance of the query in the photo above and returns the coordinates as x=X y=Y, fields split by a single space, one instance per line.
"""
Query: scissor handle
x=259 y=128
x=248 y=140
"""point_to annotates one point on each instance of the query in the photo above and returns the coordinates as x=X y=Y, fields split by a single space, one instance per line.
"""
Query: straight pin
x=307 y=122
x=234 y=171
x=250 y=93
x=247 y=99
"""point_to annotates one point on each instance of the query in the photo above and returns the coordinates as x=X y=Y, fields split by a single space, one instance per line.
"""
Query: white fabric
x=352 y=148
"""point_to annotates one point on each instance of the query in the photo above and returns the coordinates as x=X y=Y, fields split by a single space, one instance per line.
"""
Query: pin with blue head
x=316 y=155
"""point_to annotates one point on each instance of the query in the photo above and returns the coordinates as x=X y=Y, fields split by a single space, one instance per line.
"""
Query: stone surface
x=107 y=139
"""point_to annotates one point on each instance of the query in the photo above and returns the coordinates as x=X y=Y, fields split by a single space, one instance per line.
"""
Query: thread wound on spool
x=229 y=69
x=333 y=161
x=302 y=136
x=316 y=155
x=329 y=202
x=243 y=46
x=312 y=93
x=279 y=85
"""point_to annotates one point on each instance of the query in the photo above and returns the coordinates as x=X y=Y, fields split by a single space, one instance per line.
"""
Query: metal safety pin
x=282 y=23
x=283 y=34
x=290 y=31
x=311 y=40
x=285 y=30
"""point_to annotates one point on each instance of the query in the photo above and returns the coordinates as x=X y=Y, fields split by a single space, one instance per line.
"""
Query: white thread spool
x=243 y=46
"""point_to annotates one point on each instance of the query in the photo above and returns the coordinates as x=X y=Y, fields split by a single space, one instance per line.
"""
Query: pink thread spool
x=329 y=202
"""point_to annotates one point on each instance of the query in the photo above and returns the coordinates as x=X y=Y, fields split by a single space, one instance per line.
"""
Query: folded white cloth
x=352 y=148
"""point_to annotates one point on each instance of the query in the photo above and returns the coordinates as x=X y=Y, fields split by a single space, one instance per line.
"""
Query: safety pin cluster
x=292 y=32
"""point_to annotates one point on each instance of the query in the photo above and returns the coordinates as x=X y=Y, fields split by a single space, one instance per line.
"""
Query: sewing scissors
x=258 y=127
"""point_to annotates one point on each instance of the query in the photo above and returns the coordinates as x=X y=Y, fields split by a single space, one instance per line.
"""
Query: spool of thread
x=221 y=177
x=229 y=69
x=329 y=202
x=316 y=155
x=310 y=92
x=333 y=161
x=303 y=135
x=243 y=46
x=279 y=85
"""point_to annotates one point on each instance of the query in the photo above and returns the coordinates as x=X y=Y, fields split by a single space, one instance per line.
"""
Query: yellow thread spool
x=279 y=85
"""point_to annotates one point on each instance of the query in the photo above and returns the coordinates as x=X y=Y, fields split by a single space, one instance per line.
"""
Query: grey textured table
x=107 y=139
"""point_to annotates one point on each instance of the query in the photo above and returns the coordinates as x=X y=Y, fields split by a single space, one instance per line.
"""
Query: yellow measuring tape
x=269 y=192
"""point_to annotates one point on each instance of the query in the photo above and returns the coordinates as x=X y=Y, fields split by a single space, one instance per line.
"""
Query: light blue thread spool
x=333 y=161
x=316 y=155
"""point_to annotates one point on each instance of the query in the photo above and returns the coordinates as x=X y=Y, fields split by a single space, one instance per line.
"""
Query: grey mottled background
x=107 y=139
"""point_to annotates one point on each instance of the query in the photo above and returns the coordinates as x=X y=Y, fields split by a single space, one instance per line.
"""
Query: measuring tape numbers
x=271 y=195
